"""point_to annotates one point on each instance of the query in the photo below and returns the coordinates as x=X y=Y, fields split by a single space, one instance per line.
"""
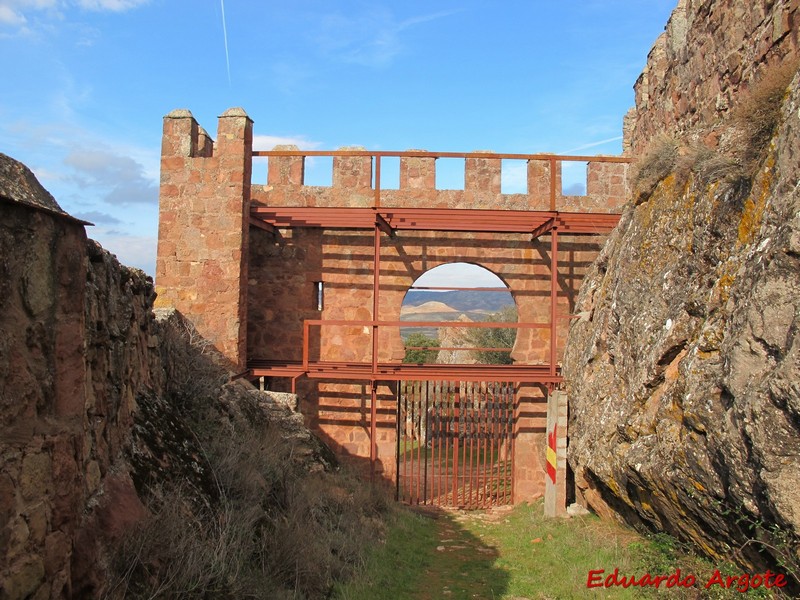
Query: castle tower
x=204 y=204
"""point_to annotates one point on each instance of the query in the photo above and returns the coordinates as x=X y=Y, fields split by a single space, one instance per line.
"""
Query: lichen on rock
x=683 y=376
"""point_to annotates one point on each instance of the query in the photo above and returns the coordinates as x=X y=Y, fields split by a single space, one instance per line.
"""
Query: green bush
x=494 y=338
x=425 y=356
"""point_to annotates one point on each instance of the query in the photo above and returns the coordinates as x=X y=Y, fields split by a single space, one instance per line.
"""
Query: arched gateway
x=303 y=284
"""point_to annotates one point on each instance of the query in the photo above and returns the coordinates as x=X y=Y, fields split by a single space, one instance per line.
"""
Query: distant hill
x=422 y=305
x=462 y=301
x=426 y=308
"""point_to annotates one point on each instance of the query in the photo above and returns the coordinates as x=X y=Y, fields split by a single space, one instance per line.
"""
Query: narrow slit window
x=319 y=295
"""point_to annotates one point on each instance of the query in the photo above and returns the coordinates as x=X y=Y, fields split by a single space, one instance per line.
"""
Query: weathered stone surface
x=683 y=375
x=18 y=184
x=83 y=361
x=709 y=53
x=203 y=226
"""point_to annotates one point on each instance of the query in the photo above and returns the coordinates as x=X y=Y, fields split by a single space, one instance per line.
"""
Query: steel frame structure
x=387 y=221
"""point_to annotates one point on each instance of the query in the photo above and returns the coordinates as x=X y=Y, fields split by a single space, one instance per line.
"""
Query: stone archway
x=459 y=292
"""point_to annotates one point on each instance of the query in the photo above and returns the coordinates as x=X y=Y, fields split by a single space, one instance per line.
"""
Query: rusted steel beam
x=373 y=413
x=504 y=349
x=376 y=289
x=404 y=372
x=377 y=185
x=468 y=325
x=419 y=219
x=254 y=222
x=427 y=154
x=460 y=289
x=542 y=229
x=383 y=225
x=306 y=337
x=553 y=299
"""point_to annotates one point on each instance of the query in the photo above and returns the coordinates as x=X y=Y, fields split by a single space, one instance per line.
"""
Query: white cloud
x=131 y=250
x=592 y=145
x=16 y=13
x=98 y=218
x=370 y=39
x=120 y=178
x=112 y=5
x=459 y=274
x=268 y=142
x=9 y=16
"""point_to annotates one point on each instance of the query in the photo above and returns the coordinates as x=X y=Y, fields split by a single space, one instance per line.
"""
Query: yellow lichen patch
x=724 y=284
x=753 y=212
x=698 y=486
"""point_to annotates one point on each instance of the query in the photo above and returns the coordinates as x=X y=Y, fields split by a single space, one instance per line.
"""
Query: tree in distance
x=426 y=356
x=494 y=338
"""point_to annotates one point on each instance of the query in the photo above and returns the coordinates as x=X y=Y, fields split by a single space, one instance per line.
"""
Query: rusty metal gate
x=455 y=443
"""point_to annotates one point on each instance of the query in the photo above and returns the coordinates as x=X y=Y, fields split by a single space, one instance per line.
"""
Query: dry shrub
x=275 y=531
x=657 y=163
x=758 y=114
x=711 y=166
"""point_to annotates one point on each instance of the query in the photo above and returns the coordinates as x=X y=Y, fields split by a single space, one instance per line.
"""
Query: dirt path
x=464 y=564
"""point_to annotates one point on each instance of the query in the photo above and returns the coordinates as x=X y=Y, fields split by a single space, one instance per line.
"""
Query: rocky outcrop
x=683 y=374
x=709 y=54
x=94 y=393
x=455 y=337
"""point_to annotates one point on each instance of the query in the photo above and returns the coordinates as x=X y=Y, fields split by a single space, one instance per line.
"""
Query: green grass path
x=516 y=555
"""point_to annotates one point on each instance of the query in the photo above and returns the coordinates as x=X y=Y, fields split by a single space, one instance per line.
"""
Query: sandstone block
x=24 y=578
x=36 y=476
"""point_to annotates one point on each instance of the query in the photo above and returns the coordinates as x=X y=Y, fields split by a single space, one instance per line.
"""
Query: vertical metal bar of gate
x=426 y=441
x=455 y=443
x=484 y=440
x=456 y=416
x=415 y=444
x=514 y=423
x=397 y=443
x=471 y=433
x=509 y=402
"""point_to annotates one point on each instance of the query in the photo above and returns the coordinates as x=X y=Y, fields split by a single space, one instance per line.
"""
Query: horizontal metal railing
x=377 y=155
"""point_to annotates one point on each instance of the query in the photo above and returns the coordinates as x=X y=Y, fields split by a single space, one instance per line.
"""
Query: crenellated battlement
x=204 y=204
x=355 y=170
x=207 y=192
x=308 y=281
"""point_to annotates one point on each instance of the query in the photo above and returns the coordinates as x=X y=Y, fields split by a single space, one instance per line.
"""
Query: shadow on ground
x=429 y=554
x=462 y=565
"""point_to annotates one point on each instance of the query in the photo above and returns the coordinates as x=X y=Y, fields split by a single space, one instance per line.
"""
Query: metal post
x=376 y=269
x=553 y=298
x=515 y=422
x=377 y=180
x=306 y=335
x=398 y=416
x=373 y=447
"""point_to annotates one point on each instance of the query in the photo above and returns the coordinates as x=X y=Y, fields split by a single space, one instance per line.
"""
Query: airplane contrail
x=591 y=145
x=225 y=36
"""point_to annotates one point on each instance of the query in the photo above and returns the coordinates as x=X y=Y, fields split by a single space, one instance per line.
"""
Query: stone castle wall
x=283 y=270
x=229 y=279
x=76 y=352
x=94 y=390
x=709 y=55
x=201 y=266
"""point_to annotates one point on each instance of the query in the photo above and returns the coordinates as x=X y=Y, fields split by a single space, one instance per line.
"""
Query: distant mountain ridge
x=463 y=301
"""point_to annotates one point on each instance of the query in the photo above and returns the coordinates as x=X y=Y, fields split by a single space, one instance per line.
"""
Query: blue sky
x=87 y=82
